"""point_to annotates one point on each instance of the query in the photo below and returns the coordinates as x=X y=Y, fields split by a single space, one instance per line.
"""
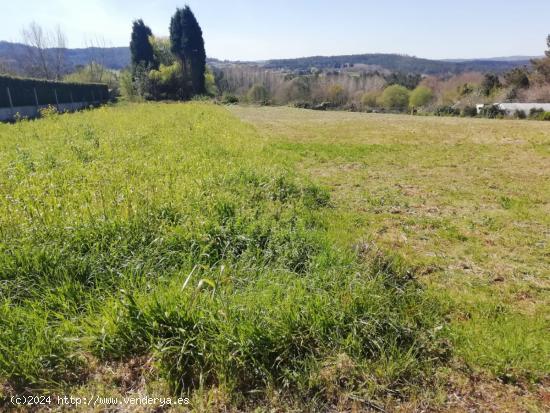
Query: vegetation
x=140 y=48
x=184 y=241
x=420 y=97
x=188 y=45
x=464 y=203
x=395 y=97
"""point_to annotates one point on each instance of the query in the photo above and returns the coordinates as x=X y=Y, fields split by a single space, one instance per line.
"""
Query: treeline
x=353 y=88
x=393 y=62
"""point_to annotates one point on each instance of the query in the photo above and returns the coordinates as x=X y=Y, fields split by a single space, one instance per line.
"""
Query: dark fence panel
x=22 y=92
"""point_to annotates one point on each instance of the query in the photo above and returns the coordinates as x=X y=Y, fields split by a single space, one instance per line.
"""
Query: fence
x=28 y=96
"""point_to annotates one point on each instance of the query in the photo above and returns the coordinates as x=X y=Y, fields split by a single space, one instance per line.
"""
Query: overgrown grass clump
x=171 y=231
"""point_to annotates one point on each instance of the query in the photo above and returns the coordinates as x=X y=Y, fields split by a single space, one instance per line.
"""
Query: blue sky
x=258 y=29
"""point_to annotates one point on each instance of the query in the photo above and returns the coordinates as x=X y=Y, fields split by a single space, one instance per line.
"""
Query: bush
x=258 y=94
x=421 y=96
x=229 y=99
x=469 y=112
x=490 y=83
x=539 y=114
x=447 y=111
x=520 y=114
x=395 y=97
x=167 y=82
x=492 y=112
x=370 y=99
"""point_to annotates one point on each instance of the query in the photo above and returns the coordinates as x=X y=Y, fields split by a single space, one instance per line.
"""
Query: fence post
x=11 y=101
x=56 y=99
x=35 y=97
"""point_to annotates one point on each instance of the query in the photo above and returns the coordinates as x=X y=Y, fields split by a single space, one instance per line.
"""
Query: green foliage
x=490 y=83
x=337 y=95
x=185 y=240
x=210 y=83
x=371 y=99
x=421 y=96
x=408 y=80
x=229 y=99
x=258 y=94
x=167 y=83
x=128 y=88
x=395 y=97
x=469 y=112
x=492 y=112
x=447 y=111
x=22 y=92
x=141 y=49
x=161 y=50
x=187 y=44
x=95 y=73
x=517 y=78
x=520 y=114
x=539 y=114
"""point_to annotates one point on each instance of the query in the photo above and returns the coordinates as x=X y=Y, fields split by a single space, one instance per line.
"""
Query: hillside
x=396 y=63
x=12 y=55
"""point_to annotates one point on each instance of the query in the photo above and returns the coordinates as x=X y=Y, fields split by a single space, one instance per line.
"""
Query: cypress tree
x=140 y=47
x=187 y=44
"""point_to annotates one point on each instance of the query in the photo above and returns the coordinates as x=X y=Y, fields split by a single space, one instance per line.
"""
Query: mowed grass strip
x=465 y=201
x=175 y=233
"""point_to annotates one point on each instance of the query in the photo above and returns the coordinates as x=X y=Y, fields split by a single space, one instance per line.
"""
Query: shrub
x=520 y=114
x=337 y=95
x=447 y=111
x=490 y=83
x=258 y=94
x=167 y=82
x=469 y=112
x=492 y=112
x=229 y=99
x=539 y=114
x=421 y=96
x=370 y=99
x=395 y=97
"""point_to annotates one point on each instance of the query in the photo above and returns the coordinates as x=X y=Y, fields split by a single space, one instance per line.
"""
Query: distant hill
x=12 y=55
x=397 y=63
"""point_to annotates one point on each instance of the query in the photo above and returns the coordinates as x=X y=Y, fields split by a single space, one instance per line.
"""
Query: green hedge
x=22 y=92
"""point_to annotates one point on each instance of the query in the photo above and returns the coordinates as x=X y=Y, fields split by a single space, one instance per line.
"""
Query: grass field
x=285 y=260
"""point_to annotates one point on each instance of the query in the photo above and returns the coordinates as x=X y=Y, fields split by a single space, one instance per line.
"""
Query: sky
x=262 y=29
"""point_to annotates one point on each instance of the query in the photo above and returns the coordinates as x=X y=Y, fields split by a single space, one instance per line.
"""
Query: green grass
x=177 y=234
x=465 y=202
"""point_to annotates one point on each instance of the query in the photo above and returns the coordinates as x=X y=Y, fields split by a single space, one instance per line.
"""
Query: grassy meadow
x=276 y=259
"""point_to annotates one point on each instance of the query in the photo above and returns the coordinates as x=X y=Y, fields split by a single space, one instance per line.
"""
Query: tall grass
x=171 y=231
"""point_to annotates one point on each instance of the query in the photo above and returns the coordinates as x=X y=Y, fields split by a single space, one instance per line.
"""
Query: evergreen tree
x=187 y=44
x=140 y=47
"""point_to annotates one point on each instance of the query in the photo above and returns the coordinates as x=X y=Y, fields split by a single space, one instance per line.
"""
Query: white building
x=511 y=108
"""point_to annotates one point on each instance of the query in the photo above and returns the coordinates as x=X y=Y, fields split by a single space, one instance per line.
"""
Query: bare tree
x=45 y=51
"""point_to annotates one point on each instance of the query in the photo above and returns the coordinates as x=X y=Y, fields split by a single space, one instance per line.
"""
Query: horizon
x=241 y=32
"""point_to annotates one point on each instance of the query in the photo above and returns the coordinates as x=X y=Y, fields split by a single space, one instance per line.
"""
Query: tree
x=490 y=83
x=161 y=50
x=188 y=45
x=370 y=99
x=421 y=96
x=140 y=47
x=395 y=97
x=258 y=94
x=517 y=78
x=45 y=52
